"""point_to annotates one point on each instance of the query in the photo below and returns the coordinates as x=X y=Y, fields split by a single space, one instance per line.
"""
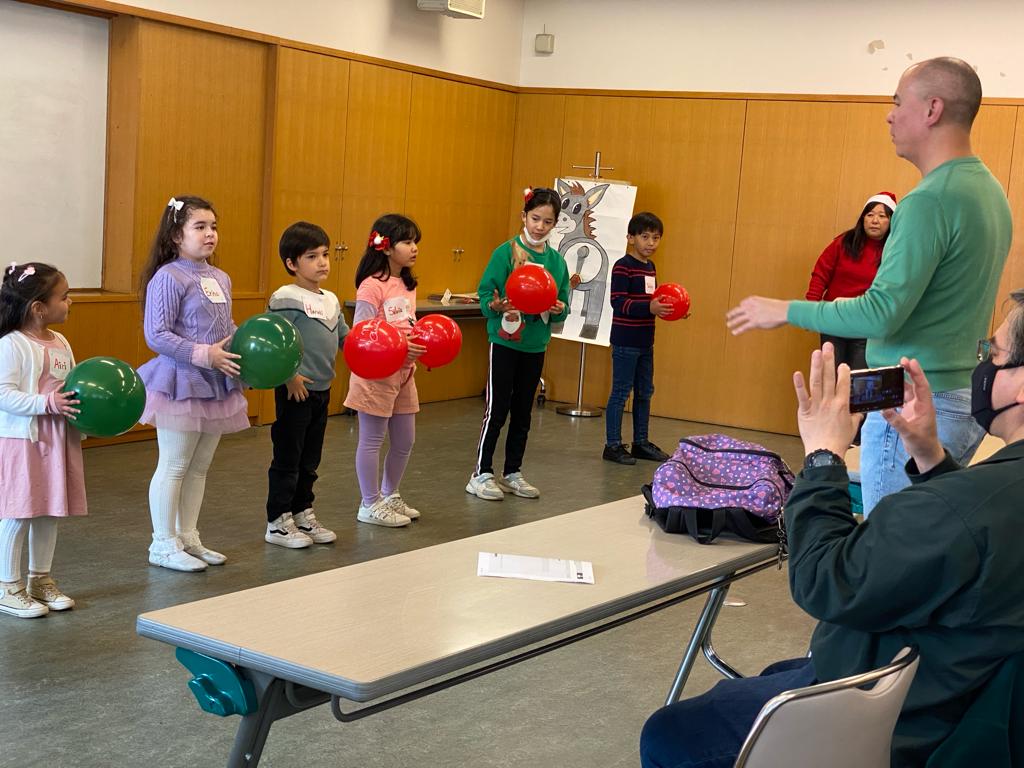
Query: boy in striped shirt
x=633 y=312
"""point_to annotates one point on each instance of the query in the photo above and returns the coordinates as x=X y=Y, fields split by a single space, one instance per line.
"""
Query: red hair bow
x=527 y=194
x=378 y=242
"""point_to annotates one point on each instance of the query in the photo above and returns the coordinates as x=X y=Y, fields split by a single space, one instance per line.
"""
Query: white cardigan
x=21 y=364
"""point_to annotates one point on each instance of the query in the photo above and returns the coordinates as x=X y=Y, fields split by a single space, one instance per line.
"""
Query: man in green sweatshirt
x=934 y=291
x=937 y=566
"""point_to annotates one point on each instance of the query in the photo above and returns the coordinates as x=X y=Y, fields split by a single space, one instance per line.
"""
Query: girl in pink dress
x=386 y=289
x=193 y=395
x=41 y=470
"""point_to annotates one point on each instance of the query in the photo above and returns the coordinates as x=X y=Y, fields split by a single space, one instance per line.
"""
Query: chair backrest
x=836 y=724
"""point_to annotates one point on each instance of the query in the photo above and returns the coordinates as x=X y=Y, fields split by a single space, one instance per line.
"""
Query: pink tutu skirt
x=212 y=417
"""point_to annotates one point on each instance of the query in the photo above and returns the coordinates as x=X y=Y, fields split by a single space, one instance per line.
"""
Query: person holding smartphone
x=935 y=567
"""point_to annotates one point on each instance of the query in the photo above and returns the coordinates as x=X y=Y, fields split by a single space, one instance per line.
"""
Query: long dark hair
x=172 y=224
x=855 y=238
x=396 y=228
x=23 y=286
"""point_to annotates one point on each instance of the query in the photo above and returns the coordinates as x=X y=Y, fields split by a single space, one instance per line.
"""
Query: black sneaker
x=649 y=451
x=618 y=454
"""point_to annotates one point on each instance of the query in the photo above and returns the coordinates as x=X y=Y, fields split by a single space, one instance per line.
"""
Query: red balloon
x=441 y=336
x=676 y=296
x=531 y=289
x=375 y=349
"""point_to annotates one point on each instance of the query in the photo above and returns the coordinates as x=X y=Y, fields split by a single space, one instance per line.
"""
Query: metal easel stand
x=580 y=409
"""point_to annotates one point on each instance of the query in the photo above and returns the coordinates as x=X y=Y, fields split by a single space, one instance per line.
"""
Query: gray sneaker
x=483 y=487
x=514 y=482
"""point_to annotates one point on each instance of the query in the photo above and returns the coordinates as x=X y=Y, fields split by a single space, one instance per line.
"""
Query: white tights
x=42 y=540
x=176 y=491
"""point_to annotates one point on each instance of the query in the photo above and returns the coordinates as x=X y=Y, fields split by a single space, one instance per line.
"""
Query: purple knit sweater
x=179 y=316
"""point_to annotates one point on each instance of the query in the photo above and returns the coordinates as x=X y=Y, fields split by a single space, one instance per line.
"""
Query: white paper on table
x=534 y=568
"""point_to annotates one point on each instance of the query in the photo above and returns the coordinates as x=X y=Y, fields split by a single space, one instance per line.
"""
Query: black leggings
x=512 y=379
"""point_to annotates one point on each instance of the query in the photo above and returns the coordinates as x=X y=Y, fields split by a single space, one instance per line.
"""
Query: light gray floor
x=81 y=689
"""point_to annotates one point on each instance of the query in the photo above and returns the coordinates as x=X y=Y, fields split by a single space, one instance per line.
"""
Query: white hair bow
x=26 y=272
x=177 y=206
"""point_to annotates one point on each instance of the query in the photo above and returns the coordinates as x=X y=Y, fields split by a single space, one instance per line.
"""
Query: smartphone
x=872 y=389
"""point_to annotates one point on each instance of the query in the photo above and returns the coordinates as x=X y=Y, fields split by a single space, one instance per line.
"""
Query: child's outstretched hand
x=222 y=360
x=63 y=404
x=296 y=386
x=558 y=307
x=499 y=304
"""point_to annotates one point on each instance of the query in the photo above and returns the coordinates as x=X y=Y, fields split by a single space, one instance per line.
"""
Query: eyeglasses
x=984 y=349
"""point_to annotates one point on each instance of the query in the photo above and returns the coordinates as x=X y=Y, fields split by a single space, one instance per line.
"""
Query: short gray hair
x=1015 y=326
x=955 y=82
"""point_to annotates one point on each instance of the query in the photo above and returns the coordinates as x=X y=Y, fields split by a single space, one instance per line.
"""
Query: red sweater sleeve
x=824 y=270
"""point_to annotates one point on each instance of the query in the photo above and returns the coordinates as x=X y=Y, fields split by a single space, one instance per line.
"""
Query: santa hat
x=888 y=199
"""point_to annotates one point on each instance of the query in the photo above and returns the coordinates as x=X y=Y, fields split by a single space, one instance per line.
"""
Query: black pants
x=298 y=438
x=849 y=351
x=852 y=352
x=512 y=380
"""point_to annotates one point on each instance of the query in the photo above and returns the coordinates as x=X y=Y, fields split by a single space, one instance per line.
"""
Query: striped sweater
x=632 y=321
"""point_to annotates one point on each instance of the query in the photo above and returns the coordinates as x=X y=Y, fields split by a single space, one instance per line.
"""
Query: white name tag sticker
x=60 y=364
x=314 y=306
x=212 y=291
x=649 y=284
x=396 y=310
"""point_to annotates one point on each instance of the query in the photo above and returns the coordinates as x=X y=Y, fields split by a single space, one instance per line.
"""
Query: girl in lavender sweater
x=193 y=394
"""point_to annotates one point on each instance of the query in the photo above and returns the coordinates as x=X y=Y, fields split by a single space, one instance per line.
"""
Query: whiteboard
x=53 y=134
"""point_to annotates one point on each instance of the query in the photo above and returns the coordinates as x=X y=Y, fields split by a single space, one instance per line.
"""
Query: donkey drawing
x=579 y=242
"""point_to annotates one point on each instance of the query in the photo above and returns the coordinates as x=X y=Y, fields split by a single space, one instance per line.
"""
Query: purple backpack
x=715 y=483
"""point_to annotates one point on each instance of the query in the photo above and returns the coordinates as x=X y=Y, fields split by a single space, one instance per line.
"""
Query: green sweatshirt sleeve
x=919 y=238
x=893 y=570
x=495 y=275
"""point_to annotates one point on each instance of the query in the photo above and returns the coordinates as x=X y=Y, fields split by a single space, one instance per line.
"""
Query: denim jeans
x=708 y=731
x=632 y=370
x=883 y=457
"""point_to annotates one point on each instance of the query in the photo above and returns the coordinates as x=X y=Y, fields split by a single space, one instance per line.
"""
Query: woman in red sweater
x=847 y=267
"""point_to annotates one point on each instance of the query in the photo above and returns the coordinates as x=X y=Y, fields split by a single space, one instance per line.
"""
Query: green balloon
x=111 y=394
x=271 y=350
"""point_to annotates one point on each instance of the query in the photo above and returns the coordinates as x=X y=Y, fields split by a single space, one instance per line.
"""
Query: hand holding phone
x=876 y=389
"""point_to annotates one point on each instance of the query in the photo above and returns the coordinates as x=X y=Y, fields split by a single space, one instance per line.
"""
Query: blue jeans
x=632 y=369
x=883 y=457
x=707 y=731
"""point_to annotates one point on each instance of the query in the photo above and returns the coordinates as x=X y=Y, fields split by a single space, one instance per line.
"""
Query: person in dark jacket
x=938 y=565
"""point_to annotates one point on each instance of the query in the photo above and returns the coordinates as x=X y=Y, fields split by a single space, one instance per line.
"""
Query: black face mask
x=982 y=381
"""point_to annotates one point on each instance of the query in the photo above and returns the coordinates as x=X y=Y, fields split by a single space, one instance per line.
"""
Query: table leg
x=275 y=702
x=700 y=632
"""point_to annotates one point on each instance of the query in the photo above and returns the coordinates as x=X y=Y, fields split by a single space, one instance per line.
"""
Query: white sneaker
x=307 y=524
x=167 y=552
x=516 y=483
x=44 y=589
x=483 y=487
x=177 y=561
x=284 y=533
x=16 y=602
x=380 y=513
x=193 y=546
x=401 y=507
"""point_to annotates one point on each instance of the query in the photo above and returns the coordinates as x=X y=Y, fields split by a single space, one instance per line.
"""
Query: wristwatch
x=823 y=458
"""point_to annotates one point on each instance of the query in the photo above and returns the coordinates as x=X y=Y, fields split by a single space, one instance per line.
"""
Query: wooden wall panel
x=537 y=150
x=202 y=130
x=310 y=118
x=1013 y=273
x=460 y=157
x=691 y=180
x=778 y=234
